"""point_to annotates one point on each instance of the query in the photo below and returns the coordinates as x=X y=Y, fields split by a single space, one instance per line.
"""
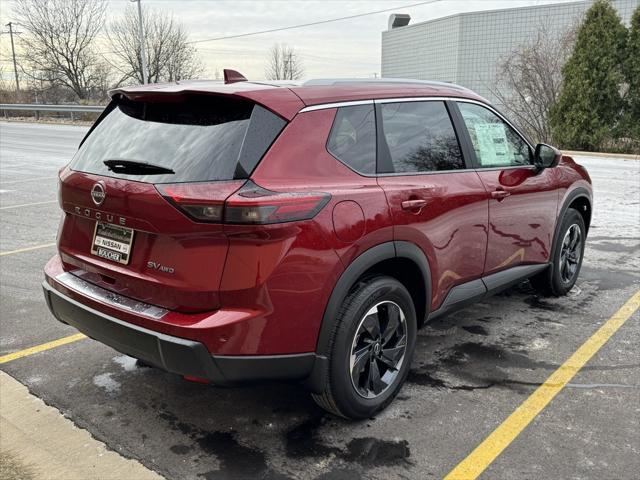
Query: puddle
x=425 y=379
x=539 y=303
x=180 y=449
x=615 y=247
x=236 y=461
x=371 y=452
x=340 y=474
x=476 y=330
x=541 y=318
x=303 y=441
x=476 y=353
x=475 y=366
x=609 y=279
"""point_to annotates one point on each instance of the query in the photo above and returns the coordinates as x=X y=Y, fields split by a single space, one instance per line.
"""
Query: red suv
x=250 y=231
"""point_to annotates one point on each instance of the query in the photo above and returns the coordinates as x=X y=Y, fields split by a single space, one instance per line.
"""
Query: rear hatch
x=143 y=196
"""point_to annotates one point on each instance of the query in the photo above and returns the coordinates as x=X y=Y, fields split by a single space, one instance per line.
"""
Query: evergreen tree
x=590 y=104
x=632 y=73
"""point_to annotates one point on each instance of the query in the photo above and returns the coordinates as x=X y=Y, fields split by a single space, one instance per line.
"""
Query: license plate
x=112 y=242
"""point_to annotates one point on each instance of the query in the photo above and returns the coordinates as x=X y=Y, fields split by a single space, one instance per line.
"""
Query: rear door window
x=353 y=138
x=419 y=137
x=200 y=139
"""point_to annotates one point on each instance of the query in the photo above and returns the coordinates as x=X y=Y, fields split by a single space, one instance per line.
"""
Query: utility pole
x=143 y=59
x=13 y=51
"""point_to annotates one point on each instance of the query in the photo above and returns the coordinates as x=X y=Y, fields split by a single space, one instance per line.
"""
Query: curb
x=624 y=156
x=40 y=443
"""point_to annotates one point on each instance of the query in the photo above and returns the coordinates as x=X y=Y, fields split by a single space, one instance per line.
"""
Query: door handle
x=413 y=204
x=500 y=194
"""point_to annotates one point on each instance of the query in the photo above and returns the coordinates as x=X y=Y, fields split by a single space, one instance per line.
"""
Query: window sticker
x=493 y=144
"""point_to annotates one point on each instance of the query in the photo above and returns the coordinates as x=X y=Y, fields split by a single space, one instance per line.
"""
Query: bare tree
x=4 y=86
x=530 y=78
x=169 y=55
x=284 y=63
x=7 y=94
x=59 y=47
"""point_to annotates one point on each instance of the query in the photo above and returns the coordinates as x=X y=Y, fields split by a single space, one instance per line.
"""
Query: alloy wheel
x=570 y=253
x=378 y=349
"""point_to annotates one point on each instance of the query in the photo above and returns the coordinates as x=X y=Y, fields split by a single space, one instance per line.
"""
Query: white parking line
x=28 y=204
x=11 y=182
x=27 y=249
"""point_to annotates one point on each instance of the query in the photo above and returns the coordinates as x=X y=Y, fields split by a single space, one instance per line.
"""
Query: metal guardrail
x=36 y=107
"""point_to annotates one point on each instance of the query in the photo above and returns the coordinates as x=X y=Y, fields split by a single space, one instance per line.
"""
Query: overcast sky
x=342 y=48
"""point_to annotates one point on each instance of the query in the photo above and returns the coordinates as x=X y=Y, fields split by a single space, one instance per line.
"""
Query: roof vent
x=398 y=20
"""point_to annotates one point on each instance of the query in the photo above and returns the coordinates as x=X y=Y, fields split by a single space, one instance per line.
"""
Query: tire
x=355 y=347
x=565 y=264
x=143 y=364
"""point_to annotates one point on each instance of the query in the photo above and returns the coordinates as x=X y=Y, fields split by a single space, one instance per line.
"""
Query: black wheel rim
x=570 y=253
x=378 y=349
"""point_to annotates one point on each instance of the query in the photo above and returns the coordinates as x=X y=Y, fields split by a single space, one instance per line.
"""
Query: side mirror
x=546 y=156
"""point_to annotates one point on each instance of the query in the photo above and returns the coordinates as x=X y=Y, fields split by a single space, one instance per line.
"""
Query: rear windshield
x=201 y=138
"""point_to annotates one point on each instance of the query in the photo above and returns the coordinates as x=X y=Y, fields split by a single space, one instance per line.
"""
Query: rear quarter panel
x=288 y=271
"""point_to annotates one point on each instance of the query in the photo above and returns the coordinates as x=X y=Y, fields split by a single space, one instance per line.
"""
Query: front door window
x=496 y=144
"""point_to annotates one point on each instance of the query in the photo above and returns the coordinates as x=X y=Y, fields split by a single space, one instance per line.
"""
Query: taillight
x=203 y=202
x=249 y=205
x=255 y=205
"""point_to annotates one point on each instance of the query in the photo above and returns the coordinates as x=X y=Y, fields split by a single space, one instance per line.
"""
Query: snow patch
x=105 y=381
x=128 y=364
x=538 y=344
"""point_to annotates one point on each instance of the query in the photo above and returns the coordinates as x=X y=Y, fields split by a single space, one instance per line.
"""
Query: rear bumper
x=174 y=354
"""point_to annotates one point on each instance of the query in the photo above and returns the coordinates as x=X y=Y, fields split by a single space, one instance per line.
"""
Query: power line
x=301 y=25
x=320 y=22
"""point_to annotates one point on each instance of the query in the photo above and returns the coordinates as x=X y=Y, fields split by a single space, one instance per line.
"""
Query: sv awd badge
x=160 y=267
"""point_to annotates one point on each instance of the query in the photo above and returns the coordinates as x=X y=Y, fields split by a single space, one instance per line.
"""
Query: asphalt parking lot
x=471 y=370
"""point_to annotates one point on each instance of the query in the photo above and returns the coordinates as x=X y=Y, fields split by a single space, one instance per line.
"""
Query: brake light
x=203 y=202
x=249 y=205
x=255 y=205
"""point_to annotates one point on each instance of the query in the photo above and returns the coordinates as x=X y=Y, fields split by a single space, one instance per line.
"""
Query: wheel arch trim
x=366 y=260
x=362 y=263
x=569 y=198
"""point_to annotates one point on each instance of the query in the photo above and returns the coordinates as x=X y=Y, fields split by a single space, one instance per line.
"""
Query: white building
x=468 y=48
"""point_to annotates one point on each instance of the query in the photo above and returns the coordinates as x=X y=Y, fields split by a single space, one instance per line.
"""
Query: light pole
x=13 y=52
x=143 y=57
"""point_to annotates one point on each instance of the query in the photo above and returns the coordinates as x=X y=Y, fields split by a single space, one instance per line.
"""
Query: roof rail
x=338 y=81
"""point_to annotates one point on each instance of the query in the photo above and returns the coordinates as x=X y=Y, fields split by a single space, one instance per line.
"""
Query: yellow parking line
x=41 y=348
x=485 y=453
x=28 y=204
x=27 y=249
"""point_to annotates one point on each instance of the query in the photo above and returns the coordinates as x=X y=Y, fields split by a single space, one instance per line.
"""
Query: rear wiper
x=133 y=167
